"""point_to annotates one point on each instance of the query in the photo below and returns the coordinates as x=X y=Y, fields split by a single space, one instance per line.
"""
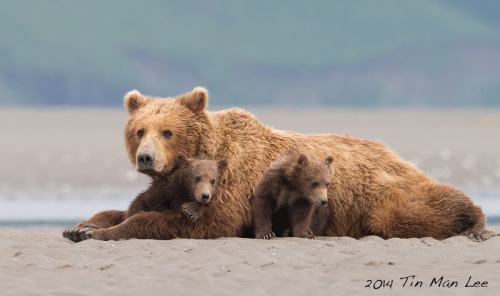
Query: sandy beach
x=39 y=261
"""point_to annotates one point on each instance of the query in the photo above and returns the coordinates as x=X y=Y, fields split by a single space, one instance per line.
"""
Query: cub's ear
x=329 y=160
x=134 y=100
x=221 y=165
x=196 y=100
x=303 y=161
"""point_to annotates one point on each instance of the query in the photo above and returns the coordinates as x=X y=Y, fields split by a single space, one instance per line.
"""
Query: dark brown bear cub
x=187 y=189
x=288 y=194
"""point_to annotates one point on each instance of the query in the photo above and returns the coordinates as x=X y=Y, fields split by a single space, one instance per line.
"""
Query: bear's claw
x=188 y=213
x=73 y=234
x=268 y=235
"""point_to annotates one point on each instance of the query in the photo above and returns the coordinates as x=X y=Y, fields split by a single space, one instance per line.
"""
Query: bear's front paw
x=77 y=233
x=267 y=235
x=189 y=212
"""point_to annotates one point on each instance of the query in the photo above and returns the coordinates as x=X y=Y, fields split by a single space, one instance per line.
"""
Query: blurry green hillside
x=295 y=53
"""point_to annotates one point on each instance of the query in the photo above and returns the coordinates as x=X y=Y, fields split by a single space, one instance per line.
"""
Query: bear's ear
x=329 y=160
x=221 y=165
x=196 y=100
x=134 y=100
x=303 y=161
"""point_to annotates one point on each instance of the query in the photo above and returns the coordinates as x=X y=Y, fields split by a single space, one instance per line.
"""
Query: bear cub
x=289 y=193
x=187 y=189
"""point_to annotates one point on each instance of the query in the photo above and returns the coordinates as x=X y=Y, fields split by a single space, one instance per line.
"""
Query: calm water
x=44 y=208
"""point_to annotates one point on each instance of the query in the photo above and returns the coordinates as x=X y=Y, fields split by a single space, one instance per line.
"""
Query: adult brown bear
x=372 y=191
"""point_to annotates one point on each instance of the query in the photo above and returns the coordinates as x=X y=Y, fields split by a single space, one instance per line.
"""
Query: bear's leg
x=143 y=225
x=405 y=219
x=262 y=212
x=102 y=219
x=460 y=214
x=169 y=225
x=321 y=218
x=192 y=210
x=106 y=219
x=464 y=217
x=430 y=209
x=301 y=213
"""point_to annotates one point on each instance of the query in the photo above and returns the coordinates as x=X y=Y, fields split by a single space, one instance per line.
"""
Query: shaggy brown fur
x=188 y=189
x=373 y=191
x=297 y=184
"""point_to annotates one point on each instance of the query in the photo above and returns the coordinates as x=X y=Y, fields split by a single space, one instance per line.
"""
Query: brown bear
x=374 y=192
x=296 y=184
x=187 y=189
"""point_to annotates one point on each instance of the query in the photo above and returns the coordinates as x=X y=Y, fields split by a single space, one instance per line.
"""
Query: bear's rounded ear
x=221 y=165
x=196 y=100
x=329 y=160
x=303 y=161
x=134 y=100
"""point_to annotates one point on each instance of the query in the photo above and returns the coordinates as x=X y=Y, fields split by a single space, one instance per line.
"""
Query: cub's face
x=203 y=178
x=158 y=130
x=313 y=178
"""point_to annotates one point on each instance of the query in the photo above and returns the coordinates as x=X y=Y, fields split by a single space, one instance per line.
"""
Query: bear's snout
x=324 y=202
x=205 y=197
x=145 y=161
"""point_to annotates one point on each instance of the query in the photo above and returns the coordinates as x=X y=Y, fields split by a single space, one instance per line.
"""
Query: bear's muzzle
x=145 y=162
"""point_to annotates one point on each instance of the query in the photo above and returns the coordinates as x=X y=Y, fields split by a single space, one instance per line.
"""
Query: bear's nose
x=205 y=197
x=145 y=161
x=324 y=202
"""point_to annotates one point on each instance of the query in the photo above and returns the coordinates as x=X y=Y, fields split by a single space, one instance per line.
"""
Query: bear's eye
x=314 y=184
x=140 y=133
x=327 y=184
x=167 y=134
x=197 y=179
x=212 y=181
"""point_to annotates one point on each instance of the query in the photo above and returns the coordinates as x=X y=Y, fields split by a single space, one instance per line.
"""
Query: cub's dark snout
x=205 y=197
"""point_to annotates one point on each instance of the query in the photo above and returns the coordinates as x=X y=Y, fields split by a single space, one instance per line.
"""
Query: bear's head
x=158 y=130
x=201 y=176
x=311 y=176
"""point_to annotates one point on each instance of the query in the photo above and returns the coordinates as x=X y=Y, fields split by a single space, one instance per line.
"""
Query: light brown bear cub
x=288 y=194
x=187 y=189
